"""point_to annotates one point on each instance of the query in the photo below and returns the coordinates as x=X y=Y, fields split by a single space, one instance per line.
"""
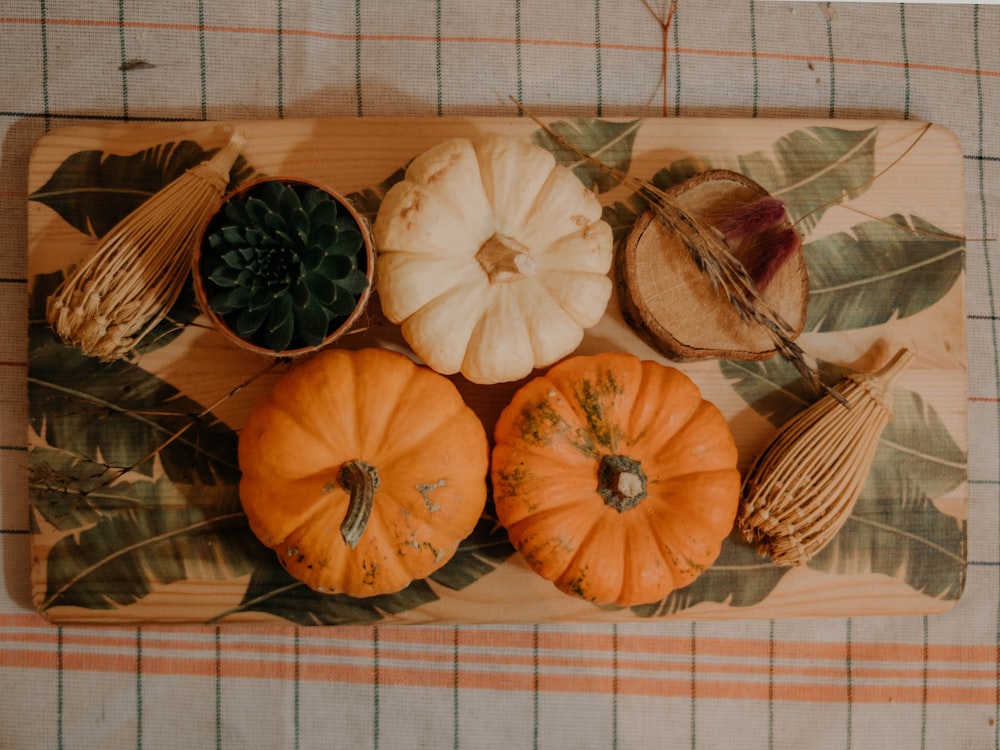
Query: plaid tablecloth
x=908 y=682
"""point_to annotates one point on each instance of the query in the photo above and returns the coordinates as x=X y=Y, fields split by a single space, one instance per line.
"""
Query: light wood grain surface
x=917 y=172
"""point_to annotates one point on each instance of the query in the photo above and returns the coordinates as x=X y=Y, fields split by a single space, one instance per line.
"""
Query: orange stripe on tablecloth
x=654 y=49
x=556 y=647
x=676 y=684
x=625 y=684
x=570 y=650
x=838 y=60
x=516 y=647
x=200 y=659
x=332 y=35
x=860 y=650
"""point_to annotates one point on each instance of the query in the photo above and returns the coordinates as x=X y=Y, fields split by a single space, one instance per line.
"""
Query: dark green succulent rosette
x=284 y=265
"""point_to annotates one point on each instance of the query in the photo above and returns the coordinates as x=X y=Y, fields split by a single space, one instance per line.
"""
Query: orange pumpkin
x=615 y=479
x=363 y=471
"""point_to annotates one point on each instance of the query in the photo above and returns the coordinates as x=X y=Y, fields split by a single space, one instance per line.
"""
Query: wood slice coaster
x=672 y=304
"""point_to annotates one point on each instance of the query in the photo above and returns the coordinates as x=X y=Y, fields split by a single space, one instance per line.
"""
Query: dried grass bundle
x=802 y=488
x=128 y=284
x=711 y=254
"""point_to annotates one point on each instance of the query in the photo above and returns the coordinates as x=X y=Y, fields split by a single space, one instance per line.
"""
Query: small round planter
x=284 y=266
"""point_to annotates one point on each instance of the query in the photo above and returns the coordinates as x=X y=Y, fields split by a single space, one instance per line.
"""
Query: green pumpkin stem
x=361 y=480
x=621 y=482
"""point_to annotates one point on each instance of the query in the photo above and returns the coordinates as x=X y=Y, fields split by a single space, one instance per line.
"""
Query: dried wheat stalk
x=711 y=254
x=802 y=488
x=128 y=284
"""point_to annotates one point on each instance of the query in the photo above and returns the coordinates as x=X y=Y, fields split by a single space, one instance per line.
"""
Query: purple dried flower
x=749 y=219
x=772 y=248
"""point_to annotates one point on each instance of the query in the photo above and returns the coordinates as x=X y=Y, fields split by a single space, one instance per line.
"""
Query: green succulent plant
x=285 y=265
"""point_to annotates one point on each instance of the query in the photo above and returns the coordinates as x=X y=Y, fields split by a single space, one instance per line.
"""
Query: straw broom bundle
x=802 y=488
x=133 y=277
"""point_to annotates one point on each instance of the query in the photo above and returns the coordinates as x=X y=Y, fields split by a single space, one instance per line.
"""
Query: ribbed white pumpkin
x=492 y=258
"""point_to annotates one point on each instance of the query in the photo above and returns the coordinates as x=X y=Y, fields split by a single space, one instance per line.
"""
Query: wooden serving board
x=135 y=513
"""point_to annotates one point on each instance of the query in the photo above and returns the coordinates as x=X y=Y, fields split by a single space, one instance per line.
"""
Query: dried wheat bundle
x=802 y=488
x=130 y=281
x=711 y=254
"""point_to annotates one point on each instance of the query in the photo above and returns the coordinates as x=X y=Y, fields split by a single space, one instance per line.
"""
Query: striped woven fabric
x=860 y=682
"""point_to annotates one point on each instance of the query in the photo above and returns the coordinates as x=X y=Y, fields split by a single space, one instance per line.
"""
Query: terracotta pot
x=203 y=294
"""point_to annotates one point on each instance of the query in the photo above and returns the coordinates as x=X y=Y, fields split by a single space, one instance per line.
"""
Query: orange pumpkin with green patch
x=363 y=471
x=614 y=478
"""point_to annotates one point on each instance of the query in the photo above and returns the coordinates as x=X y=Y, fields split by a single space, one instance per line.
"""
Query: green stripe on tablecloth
x=833 y=73
x=677 y=60
x=218 y=688
x=375 y=689
x=44 y=26
x=203 y=71
x=753 y=58
x=123 y=56
x=517 y=52
x=281 y=59
x=297 y=702
x=138 y=688
x=597 y=55
x=694 y=685
x=89 y=117
x=455 y=669
x=357 y=58
x=849 y=665
x=906 y=61
x=437 y=57
x=925 y=679
x=535 y=684
x=614 y=685
x=59 y=688
x=770 y=685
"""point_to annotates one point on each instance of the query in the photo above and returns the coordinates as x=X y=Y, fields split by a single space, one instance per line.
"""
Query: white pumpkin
x=492 y=258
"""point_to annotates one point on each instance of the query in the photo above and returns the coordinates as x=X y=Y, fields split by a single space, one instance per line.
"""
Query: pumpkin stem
x=505 y=259
x=621 y=482
x=361 y=480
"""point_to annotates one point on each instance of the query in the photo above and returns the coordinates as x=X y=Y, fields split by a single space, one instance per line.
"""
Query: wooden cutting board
x=130 y=527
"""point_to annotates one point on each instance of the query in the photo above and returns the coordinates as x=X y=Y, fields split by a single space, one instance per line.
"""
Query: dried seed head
x=773 y=248
x=743 y=220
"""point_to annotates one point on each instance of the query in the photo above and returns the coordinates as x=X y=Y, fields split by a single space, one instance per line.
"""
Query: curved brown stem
x=361 y=480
